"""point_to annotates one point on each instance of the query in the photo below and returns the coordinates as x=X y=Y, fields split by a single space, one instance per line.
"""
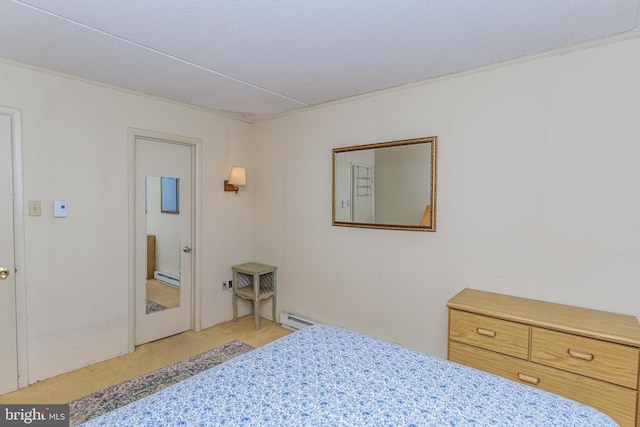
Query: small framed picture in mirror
x=170 y=195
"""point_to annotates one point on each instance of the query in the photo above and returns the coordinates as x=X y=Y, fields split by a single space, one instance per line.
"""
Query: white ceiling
x=256 y=59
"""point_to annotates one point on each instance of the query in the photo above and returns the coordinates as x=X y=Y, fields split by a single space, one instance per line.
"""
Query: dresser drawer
x=486 y=332
x=617 y=402
x=607 y=361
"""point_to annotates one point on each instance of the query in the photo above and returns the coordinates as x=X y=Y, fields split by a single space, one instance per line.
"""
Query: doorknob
x=4 y=272
x=186 y=249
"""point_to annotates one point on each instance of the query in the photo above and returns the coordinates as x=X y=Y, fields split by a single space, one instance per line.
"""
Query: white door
x=163 y=205
x=362 y=193
x=8 y=346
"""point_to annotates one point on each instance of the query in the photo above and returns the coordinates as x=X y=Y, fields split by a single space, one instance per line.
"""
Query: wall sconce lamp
x=237 y=178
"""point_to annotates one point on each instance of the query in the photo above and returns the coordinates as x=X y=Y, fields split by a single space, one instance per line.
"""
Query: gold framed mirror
x=389 y=185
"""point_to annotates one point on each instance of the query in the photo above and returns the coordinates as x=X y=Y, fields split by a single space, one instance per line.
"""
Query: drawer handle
x=486 y=332
x=528 y=378
x=580 y=354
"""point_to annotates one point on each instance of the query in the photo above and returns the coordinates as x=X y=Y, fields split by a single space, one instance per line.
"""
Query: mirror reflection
x=387 y=185
x=163 y=243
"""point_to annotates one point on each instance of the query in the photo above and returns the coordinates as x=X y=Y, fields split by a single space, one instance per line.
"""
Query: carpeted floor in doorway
x=103 y=401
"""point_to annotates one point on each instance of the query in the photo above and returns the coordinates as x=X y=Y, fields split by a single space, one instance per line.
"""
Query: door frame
x=196 y=274
x=19 y=243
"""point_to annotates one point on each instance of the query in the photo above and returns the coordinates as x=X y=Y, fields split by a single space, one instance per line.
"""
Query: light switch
x=34 y=208
x=59 y=209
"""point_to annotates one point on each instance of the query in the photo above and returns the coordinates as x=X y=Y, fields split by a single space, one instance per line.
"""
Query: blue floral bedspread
x=325 y=376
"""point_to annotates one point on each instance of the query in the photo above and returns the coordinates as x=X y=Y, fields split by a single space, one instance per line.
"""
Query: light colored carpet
x=72 y=385
x=103 y=401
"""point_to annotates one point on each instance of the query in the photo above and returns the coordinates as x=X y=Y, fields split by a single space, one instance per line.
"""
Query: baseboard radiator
x=167 y=278
x=293 y=322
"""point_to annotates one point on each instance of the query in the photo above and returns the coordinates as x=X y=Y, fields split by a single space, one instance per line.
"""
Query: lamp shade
x=238 y=176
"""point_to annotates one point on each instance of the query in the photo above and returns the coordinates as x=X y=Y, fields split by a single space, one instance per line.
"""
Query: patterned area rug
x=153 y=306
x=100 y=402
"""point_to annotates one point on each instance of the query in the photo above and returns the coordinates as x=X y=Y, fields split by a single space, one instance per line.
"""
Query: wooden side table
x=253 y=281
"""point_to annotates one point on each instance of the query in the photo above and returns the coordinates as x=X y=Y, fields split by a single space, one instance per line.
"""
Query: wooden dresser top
x=613 y=327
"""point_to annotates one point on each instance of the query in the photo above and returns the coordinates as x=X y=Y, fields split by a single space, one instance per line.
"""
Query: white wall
x=538 y=196
x=75 y=148
x=402 y=193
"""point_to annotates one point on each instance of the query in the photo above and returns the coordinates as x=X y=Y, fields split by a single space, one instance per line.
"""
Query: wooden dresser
x=151 y=255
x=586 y=355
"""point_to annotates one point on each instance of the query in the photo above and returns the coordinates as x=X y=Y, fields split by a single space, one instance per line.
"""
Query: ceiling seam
x=150 y=49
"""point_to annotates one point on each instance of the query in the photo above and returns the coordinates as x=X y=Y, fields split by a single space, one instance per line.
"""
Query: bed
x=326 y=376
